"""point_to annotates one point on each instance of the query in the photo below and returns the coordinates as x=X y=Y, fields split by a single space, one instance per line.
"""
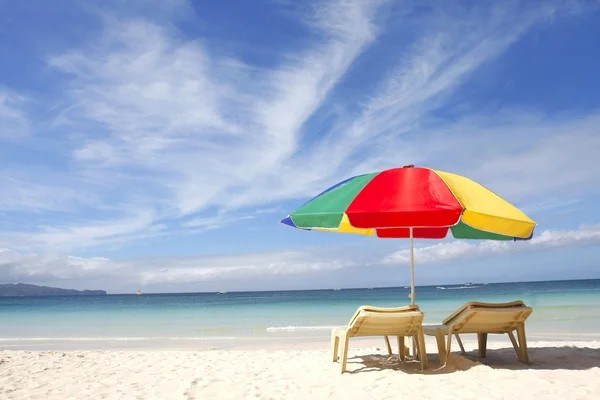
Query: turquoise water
x=567 y=309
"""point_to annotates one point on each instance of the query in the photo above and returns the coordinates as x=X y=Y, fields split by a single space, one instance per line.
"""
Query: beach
x=279 y=199
x=276 y=345
x=559 y=370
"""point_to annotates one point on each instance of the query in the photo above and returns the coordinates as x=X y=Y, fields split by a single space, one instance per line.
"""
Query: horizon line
x=355 y=288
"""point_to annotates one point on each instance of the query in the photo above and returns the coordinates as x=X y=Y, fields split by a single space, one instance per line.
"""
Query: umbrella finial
x=409 y=166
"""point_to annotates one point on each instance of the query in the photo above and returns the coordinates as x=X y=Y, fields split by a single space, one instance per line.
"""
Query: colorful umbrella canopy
x=389 y=202
x=412 y=203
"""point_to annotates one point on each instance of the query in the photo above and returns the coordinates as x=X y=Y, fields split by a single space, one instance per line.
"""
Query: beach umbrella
x=413 y=203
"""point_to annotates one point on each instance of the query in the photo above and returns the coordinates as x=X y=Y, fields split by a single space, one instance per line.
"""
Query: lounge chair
x=483 y=319
x=375 y=321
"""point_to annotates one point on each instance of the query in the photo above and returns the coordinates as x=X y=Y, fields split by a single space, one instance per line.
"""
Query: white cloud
x=163 y=272
x=171 y=105
x=162 y=120
x=30 y=266
x=159 y=129
x=245 y=266
x=539 y=158
x=461 y=249
x=523 y=155
x=452 y=44
x=259 y=270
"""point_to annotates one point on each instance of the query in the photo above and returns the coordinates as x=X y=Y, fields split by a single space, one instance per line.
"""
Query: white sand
x=558 y=371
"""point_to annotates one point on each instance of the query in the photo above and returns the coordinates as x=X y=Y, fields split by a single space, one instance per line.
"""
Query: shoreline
x=246 y=343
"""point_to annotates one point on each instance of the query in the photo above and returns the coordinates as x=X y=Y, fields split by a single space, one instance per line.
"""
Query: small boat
x=336 y=289
x=221 y=292
x=139 y=293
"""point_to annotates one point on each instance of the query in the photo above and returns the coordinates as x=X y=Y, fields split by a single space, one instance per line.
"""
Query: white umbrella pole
x=412 y=267
x=412 y=283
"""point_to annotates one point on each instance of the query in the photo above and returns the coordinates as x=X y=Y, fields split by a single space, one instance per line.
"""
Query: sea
x=563 y=310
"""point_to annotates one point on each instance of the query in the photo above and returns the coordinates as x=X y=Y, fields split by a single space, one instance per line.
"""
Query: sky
x=156 y=145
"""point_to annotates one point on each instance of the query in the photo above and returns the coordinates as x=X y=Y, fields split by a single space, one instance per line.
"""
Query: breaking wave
x=458 y=287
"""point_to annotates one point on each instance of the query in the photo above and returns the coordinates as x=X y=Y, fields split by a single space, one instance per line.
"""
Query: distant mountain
x=22 y=289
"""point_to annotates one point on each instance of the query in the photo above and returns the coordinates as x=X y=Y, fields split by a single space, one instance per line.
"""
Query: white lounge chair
x=376 y=321
x=483 y=319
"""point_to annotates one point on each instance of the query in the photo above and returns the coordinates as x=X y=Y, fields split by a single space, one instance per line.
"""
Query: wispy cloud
x=207 y=129
x=65 y=236
x=525 y=157
x=452 y=44
x=162 y=132
x=215 y=222
x=25 y=190
x=13 y=118
x=552 y=204
x=223 y=219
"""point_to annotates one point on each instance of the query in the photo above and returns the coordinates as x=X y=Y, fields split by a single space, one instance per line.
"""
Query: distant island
x=23 y=289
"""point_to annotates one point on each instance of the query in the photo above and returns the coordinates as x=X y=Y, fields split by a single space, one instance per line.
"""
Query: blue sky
x=156 y=146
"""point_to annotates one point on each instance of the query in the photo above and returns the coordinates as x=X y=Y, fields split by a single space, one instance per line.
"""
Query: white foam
x=300 y=328
x=108 y=339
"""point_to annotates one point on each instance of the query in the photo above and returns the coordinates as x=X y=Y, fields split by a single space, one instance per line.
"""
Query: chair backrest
x=373 y=321
x=413 y=307
x=488 y=317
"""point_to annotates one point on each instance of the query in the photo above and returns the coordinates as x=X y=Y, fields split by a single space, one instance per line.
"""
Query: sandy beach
x=559 y=370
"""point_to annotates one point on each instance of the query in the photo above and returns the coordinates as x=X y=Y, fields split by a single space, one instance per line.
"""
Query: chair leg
x=389 y=347
x=460 y=343
x=449 y=345
x=344 y=338
x=515 y=345
x=523 y=344
x=482 y=341
x=417 y=355
x=441 y=344
x=335 y=342
x=422 y=349
x=401 y=348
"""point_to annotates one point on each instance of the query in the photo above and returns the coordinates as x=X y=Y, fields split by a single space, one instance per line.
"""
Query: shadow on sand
x=541 y=358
